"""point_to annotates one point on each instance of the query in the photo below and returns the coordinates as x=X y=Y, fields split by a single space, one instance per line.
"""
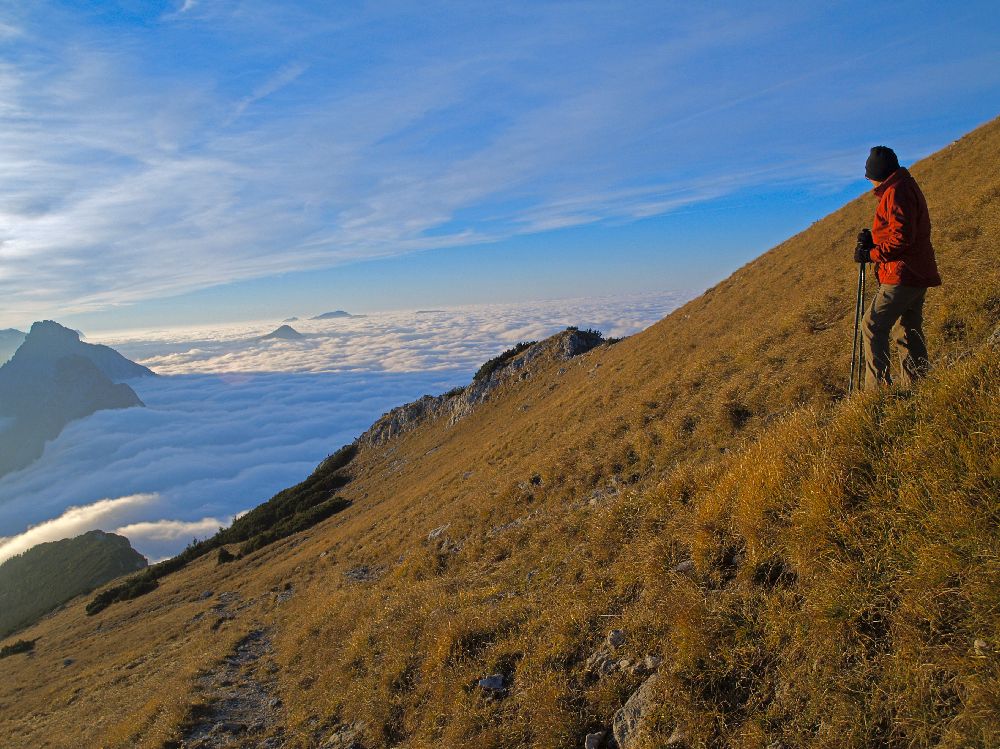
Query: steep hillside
x=48 y=575
x=688 y=538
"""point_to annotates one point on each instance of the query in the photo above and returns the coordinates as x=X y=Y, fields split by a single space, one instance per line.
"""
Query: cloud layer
x=234 y=420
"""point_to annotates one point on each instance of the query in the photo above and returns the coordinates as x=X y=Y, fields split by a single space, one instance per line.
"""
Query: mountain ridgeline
x=691 y=538
x=52 y=379
x=49 y=574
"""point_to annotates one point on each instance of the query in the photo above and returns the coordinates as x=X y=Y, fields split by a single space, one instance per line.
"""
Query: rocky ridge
x=455 y=405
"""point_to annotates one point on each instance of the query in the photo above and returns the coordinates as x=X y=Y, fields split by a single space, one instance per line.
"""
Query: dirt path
x=242 y=708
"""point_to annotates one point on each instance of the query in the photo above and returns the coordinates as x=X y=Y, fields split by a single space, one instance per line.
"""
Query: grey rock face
x=593 y=740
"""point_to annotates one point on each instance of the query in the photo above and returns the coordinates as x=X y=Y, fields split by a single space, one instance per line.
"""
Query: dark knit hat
x=881 y=163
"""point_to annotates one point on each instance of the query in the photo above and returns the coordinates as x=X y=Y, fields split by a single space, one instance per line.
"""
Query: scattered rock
x=345 y=737
x=982 y=648
x=493 y=686
x=629 y=721
x=678 y=738
x=650 y=663
x=361 y=574
x=68 y=662
x=593 y=740
x=600 y=663
x=616 y=638
x=206 y=595
x=436 y=533
x=685 y=568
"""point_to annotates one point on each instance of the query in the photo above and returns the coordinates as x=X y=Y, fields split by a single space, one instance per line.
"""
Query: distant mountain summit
x=48 y=341
x=48 y=575
x=54 y=378
x=285 y=332
x=332 y=315
x=10 y=339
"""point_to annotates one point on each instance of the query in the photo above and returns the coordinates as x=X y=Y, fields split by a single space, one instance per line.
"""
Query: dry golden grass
x=846 y=553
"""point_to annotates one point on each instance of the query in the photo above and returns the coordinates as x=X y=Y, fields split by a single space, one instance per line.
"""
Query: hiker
x=899 y=243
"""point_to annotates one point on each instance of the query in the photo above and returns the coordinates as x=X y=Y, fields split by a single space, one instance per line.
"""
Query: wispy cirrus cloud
x=234 y=141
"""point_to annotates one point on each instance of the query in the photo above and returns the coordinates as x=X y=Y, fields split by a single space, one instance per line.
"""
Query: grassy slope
x=844 y=554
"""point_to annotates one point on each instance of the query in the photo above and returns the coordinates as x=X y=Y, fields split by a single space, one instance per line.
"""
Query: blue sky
x=209 y=160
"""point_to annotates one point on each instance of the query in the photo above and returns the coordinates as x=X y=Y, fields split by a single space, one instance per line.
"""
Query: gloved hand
x=862 y=254
x=865 y=239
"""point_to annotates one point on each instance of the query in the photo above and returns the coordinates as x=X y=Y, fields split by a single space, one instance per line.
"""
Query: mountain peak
x=50 y=330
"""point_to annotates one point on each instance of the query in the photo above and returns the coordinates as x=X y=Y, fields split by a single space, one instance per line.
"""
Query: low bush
x=21 y=646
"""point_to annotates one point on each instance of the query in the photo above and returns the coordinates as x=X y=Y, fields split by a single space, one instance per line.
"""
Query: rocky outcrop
x=459 y=403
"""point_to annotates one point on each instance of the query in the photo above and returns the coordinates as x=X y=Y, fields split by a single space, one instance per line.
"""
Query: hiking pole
x=861 y=336
x=857 y=326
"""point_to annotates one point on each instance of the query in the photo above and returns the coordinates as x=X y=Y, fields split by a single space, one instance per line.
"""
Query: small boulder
x=629 y=721
x=685 y=568
x=600 y=663
x=345 y=737
x=616 y=638
x=493 y=685
x=436 y=533
x=593 y=740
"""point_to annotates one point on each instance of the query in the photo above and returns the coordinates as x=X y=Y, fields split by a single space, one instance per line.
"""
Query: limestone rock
x=629 y=721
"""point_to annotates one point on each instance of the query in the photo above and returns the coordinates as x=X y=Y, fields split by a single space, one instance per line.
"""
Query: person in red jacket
x=899 y=243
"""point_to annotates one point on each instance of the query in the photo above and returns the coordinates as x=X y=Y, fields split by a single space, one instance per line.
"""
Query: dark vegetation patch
x=50 y=574
x=287 y=512
x=21 y=646
x=953 y=329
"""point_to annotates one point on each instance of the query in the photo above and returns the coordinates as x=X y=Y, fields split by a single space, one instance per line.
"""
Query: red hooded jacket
x=902 y=234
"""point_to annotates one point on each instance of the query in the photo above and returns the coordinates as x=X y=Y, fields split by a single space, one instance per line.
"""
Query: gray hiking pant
x=899 y=311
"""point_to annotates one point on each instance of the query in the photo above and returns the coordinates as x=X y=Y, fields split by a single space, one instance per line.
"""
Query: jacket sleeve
x=901 y=217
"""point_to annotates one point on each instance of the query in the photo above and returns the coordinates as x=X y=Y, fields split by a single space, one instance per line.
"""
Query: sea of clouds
x=233 y=419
